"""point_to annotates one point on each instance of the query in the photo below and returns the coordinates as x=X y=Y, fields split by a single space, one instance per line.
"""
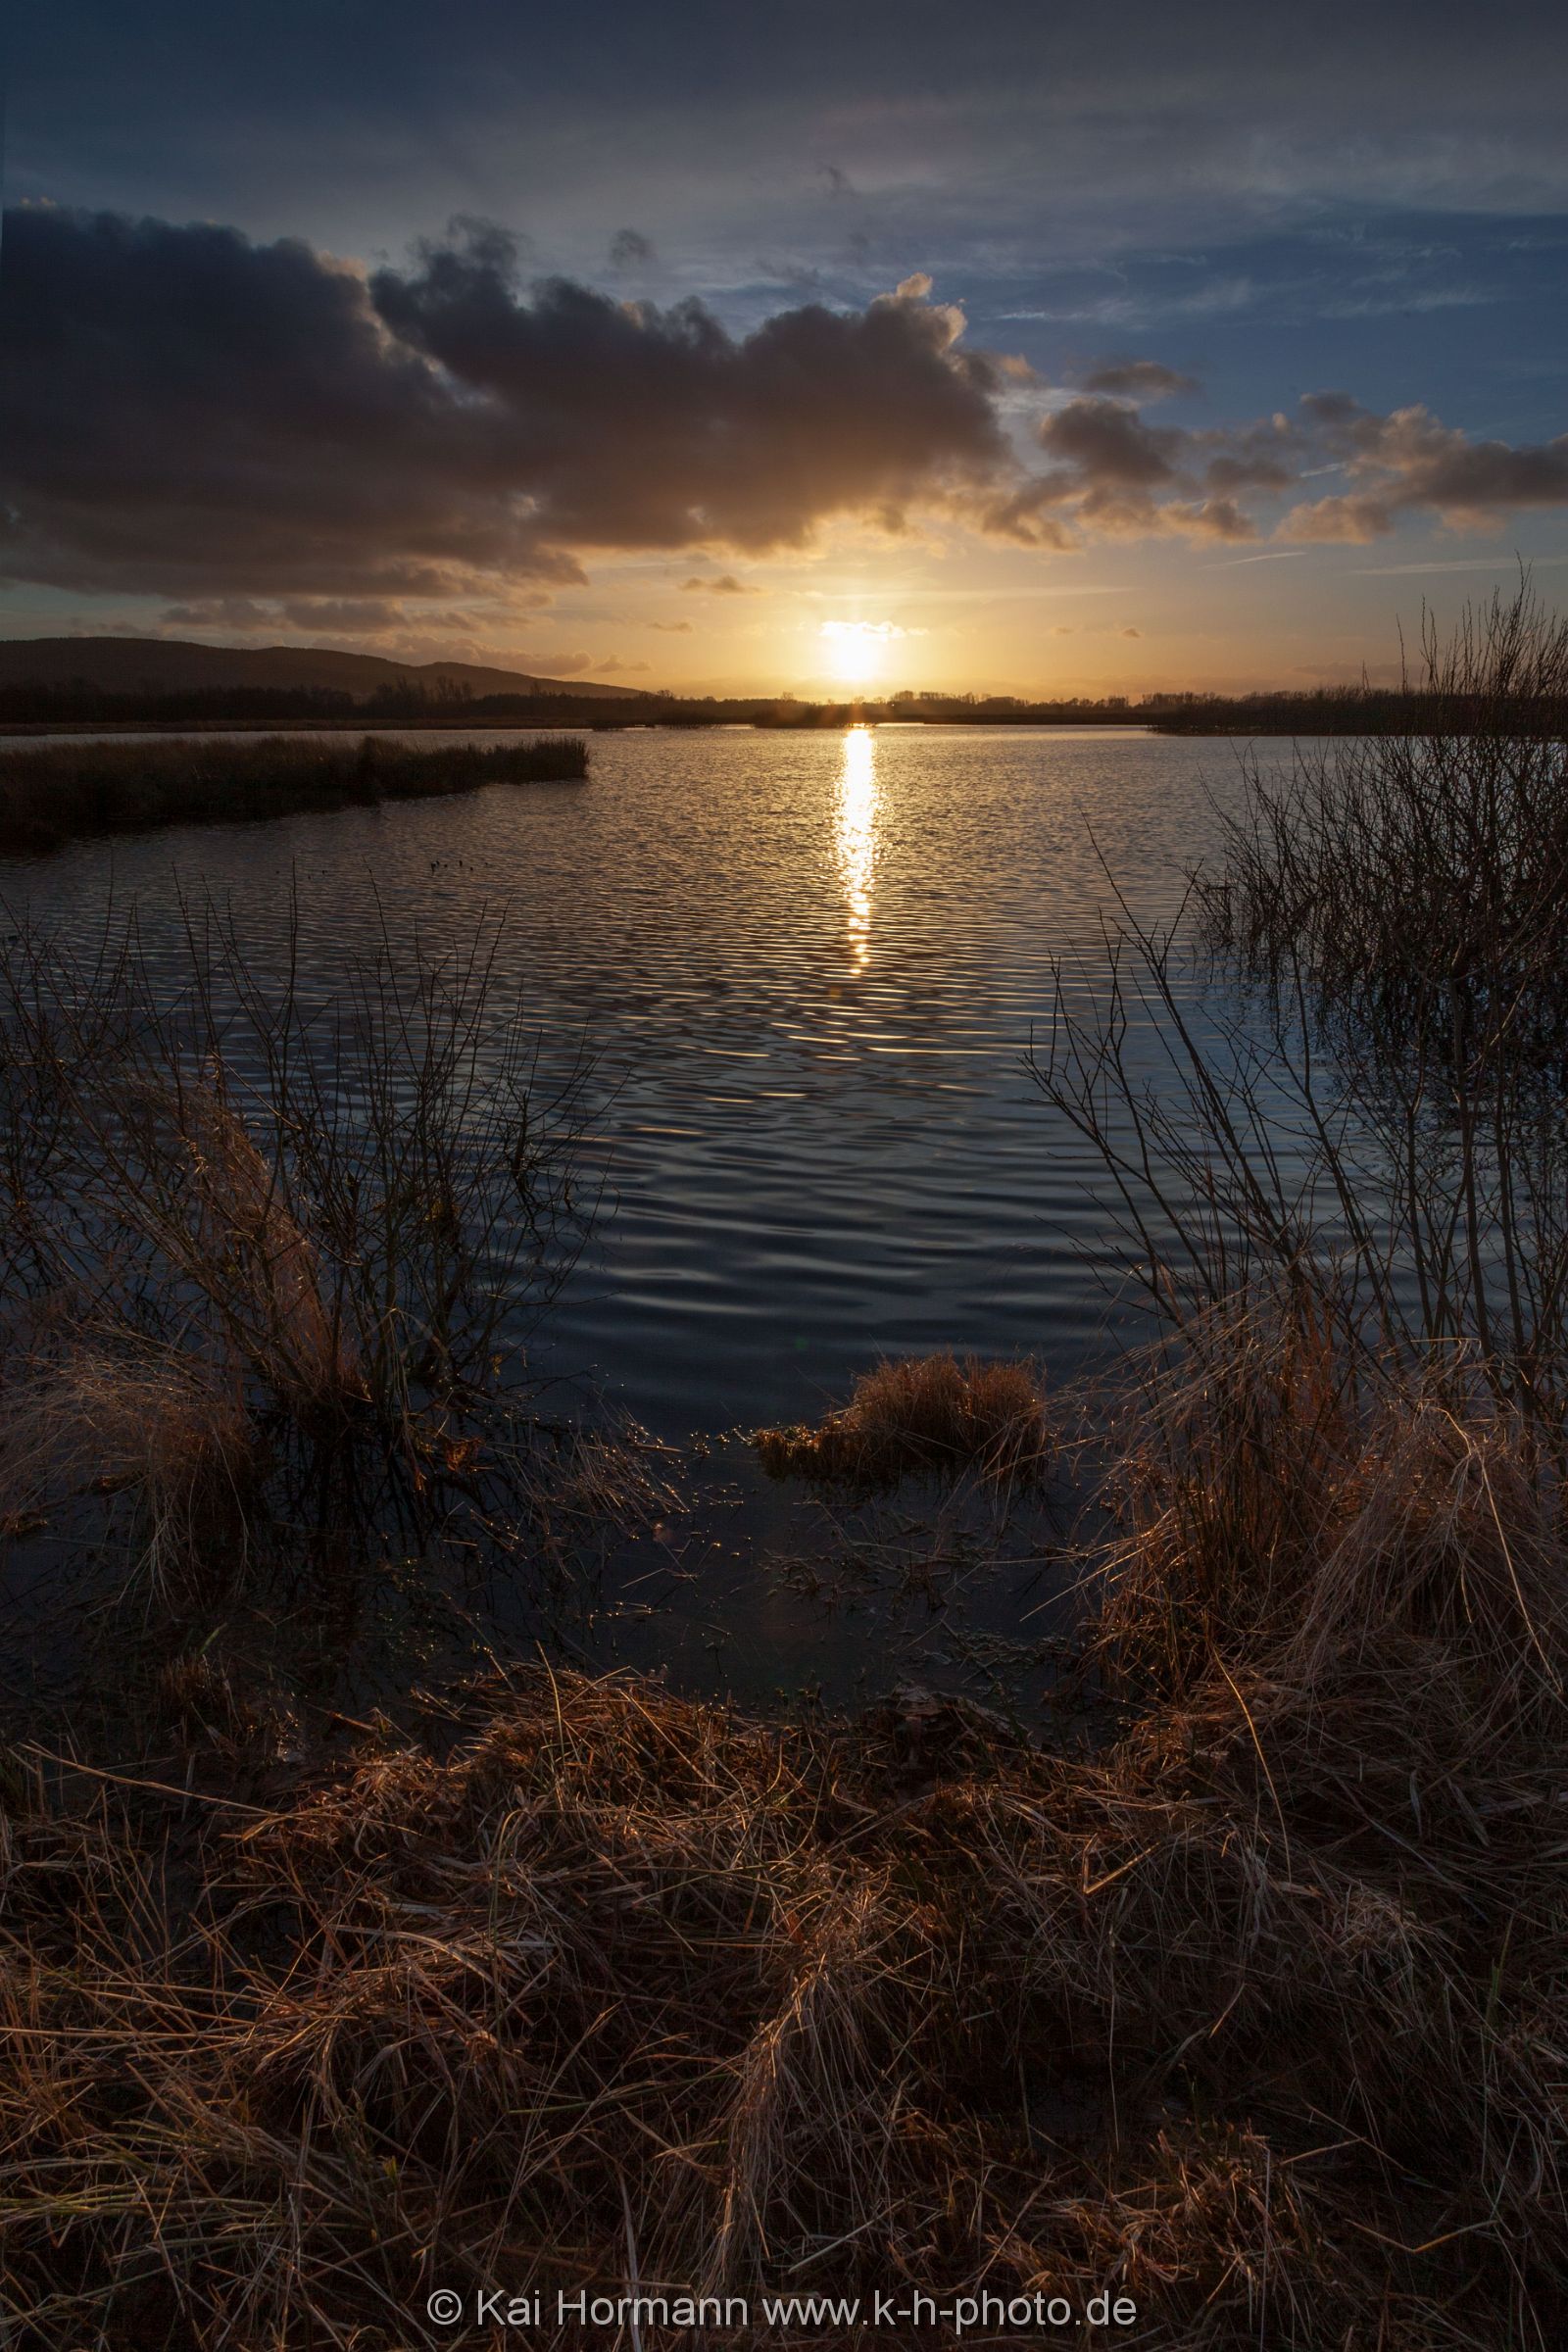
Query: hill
x=173 y=665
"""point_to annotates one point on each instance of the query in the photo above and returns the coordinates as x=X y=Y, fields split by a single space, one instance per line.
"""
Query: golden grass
x=240 y=1240
x=1254 y=2013
x=167 y=1425
x=921 y=1416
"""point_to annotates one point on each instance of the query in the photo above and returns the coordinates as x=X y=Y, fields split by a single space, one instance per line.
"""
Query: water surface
x=810 y=966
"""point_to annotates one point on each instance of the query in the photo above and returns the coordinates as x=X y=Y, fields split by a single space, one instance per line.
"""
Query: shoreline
x=64 y=792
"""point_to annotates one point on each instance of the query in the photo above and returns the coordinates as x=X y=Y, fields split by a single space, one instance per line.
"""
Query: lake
x=810 y=966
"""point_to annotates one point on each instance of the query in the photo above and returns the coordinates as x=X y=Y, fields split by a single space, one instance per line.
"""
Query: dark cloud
x=1410 y=463
x=672 y=628
x=634 y=426
x=1138 y=379
x=184 y=410
x=1115 y=476
x=1110 y=445
x=726 y=584
x=187 y=413
x=629 y=249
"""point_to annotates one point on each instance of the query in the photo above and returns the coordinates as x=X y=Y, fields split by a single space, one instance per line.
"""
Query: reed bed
x=1417 y=886
x=929 y=1416
x=273 y=1257
x=56 y=793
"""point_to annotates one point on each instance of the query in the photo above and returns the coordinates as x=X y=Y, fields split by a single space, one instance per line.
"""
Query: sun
x=857 y=648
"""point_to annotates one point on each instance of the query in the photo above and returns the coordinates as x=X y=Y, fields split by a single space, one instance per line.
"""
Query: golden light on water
x=856 y=836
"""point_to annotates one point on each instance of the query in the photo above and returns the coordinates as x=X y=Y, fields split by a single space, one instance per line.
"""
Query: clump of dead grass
x=167 y=1427
x=928 y=1416
x=1253 y=2014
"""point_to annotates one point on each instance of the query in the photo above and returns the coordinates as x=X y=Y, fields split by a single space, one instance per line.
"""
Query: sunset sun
x=856 y=650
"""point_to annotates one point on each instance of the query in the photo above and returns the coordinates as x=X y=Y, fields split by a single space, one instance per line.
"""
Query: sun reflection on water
x=856 y=836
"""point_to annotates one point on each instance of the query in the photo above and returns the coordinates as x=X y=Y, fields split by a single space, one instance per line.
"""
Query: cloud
x=1115 y=476
x=629 y=249
x=674 y=628
x=335 y=617
x=615 y=666
x=222 y=612
x=1409 y=462
x=270 y=437
x=1138 y=379
x=1352 y=522
x=344 y=617
x=1110 y=445
x=186 y=412
x=858 y=632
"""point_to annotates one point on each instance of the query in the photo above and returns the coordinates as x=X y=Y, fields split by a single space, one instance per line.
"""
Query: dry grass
x=54 y=793
x=1255 y=2015
x=928 y=1416
x=227 y=1224
x=169 y=1427
x=310 y=1239
x=1416 y=887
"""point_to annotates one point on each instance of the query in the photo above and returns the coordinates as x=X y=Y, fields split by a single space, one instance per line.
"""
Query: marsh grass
x=290 y=1250
x=55 y=793
x=1415 y=889
x=930 y=1416
x=1253 y=2014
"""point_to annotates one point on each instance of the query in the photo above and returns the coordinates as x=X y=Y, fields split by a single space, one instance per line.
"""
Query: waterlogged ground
x=810 y=969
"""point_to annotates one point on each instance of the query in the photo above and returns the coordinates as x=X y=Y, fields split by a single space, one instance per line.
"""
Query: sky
x=1006 y=347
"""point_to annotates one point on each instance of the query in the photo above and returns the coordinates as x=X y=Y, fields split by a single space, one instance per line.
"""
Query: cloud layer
x=184 y=410
x=186 y=413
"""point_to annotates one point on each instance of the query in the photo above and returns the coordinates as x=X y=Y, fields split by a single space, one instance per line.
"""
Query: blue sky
x=1269 y=203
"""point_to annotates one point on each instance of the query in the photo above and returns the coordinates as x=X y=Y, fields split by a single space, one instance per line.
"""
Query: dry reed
x=921 y=1416
x=1252 y=2016
x=54 y=793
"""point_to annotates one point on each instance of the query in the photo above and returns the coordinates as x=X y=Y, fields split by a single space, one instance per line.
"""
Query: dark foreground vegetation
x=50 y=794
x=1236 y=1985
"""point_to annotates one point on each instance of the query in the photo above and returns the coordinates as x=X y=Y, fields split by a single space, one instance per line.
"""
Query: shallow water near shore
x=808 y=968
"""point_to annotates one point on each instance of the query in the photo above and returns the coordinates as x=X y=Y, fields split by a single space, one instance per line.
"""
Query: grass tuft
x=928 y=1416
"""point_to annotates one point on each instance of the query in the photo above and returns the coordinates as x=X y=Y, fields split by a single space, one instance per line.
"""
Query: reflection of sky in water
x=855 y=834
x=810 y=964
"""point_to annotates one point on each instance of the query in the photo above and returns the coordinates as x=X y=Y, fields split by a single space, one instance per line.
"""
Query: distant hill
x=173 y=666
